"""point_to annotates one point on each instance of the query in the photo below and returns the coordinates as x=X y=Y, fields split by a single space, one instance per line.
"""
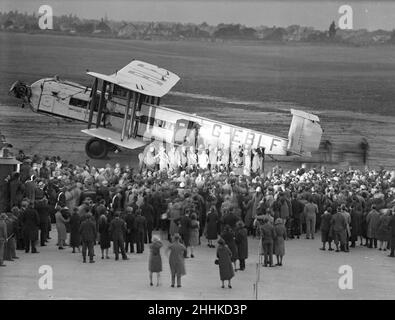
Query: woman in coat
x=229 y=238
x=281 y=235
x=104 y=238
x=247 y=206
x=176 y=260
x=241 y=243
x=212 y=226
x=372 y=222
x=356 y=224
x=75 y=222
x=61 y=227
x=174 y=215
x=194 y=233
x=224 y=255
x=155 y=259
x=384 y=231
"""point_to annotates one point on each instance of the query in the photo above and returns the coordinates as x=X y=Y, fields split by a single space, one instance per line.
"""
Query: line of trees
x=71 y=24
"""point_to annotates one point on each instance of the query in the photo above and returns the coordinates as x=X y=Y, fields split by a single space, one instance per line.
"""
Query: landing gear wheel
x=96 y=148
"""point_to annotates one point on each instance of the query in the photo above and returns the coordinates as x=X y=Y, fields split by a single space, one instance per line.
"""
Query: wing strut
x=101 y=103
x=92 y=102
x=125 y=118
x=133 y=116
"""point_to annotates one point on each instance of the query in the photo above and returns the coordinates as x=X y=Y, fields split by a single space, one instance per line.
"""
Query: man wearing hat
x=176 y=260
x=30 y=189
x=117 y=231
x=30 y=223
x=339 y=227
x=88 y=237
x=3 y=237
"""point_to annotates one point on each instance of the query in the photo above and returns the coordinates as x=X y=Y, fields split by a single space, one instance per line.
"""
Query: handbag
x=216 y=261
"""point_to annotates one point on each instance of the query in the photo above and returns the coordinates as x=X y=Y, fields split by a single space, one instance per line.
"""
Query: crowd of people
x=186 y=205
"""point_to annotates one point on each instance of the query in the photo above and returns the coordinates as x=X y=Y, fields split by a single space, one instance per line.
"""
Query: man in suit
x=30 y=226
x=185 y=227
x=148 y=212
x=43 y=212
x=117 y=232
x=339 y=227
x=30 y=189
x=88 y=237
x=176 y=260
x=297 y=211
x=310 y=213
x=130 y=229
x=140 y=227
x=268 y=235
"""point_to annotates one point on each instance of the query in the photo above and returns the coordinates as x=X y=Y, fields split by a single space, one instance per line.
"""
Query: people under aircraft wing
x=142 y=77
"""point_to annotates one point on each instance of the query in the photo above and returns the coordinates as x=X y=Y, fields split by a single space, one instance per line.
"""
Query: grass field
x=351 y=89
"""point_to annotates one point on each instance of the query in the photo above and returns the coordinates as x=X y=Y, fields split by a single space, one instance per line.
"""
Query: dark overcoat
x=212 y=225
x=155 y=259
x=281 y=234
x=75 y=221
x=229 y=238
x=224 y=255
x=242 y=242
x=30 y=223
x=176 y=258
x=105 y=241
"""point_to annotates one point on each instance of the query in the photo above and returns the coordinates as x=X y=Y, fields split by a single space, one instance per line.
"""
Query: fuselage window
x=78 y=103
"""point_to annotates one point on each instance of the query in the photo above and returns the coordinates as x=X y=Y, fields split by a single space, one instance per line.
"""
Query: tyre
x=96 y=148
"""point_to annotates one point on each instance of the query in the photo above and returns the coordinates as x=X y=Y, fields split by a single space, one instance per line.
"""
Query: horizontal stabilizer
x=304 y=134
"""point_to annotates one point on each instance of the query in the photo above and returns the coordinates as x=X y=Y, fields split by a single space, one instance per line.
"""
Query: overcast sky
x=370 y=15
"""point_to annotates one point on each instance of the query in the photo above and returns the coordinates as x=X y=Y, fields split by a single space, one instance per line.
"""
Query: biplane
x=123 y=110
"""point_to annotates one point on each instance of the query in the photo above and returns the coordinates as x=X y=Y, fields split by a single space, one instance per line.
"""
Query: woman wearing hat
x=104 y=235
x=384 y=230
x=194 y=233
x=229 y=237
x=212 y=222
x=176 y=260
x=224 y=255
x=75 y=239
x=155 y=259
x=281 y=235
x=242 y=243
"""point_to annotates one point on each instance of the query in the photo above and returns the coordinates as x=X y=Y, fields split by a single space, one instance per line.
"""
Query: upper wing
x=142 y=77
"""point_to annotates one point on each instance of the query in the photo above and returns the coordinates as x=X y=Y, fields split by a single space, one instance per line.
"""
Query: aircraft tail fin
x=304 y=134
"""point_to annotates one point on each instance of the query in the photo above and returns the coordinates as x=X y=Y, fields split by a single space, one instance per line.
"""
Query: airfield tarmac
x=307 y=273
